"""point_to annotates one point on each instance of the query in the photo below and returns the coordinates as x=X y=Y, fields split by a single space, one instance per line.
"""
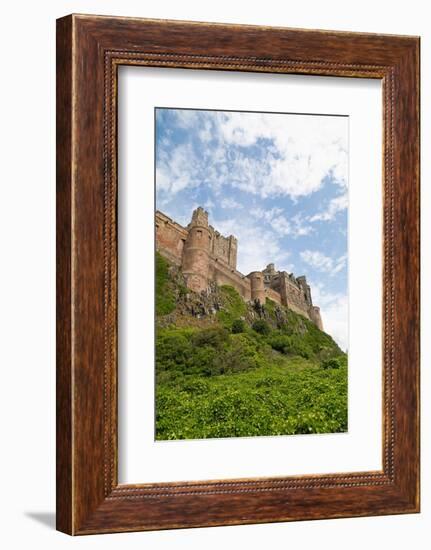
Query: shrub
x=165 y=297
x=241 y=355
x=214 y=337
x=173 y=350
x=292 y=345
x=270 y=305
x=195 y=385
x=300 y=347
x=238 y=326
x=330 y=364
x=280 y=343
x=262 y=327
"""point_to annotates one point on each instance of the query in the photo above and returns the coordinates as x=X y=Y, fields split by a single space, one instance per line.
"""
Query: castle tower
x=195 y=261
x=257 y=286
x=306 y=289
x=283 y=288
x=270 y=269
x=315 y=317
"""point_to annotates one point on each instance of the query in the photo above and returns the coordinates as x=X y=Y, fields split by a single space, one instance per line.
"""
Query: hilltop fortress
x=204 y=255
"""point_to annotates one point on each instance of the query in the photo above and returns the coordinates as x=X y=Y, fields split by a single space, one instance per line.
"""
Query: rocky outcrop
x=201 y=308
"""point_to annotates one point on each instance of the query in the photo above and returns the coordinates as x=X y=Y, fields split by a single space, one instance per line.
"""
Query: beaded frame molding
x=89 y=51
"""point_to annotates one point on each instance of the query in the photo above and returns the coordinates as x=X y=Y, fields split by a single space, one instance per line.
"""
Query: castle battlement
x=205 y=255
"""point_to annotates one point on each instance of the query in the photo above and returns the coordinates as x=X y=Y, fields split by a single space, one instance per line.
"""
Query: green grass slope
x=224 y=369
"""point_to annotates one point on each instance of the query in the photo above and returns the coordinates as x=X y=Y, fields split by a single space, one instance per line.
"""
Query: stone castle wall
x=273 y=295
x=223 y=248
x=205 y=255
x=170 y=238
x=223 y=274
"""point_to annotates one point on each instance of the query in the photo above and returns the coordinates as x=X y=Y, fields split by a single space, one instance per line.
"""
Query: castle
x=204 y=255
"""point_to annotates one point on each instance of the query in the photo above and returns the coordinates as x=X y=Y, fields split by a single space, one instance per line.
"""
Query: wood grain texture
x=64 y=497
x=90 y=49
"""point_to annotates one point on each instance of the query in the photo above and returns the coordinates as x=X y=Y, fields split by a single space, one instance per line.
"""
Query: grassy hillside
x=226 y=368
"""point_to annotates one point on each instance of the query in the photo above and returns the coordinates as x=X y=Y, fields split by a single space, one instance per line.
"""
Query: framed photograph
x=237 y=274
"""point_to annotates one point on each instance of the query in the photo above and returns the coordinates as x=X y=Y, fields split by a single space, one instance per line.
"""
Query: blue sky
x=278 y=182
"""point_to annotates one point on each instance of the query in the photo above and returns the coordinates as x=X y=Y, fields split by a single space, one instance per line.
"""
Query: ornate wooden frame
x=89 y=51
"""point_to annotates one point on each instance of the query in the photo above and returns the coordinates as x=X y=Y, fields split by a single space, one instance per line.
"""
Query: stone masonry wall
x=223 y=248
x=223 y=274
x=273 y=295
x=170 y=238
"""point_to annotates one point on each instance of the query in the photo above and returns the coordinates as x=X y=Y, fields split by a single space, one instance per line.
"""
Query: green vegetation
x=238 y=326
x=294 y=398
x=333 y=363
x=234 y=306
x=242 y=372
x=261 y=326
x=165 y=296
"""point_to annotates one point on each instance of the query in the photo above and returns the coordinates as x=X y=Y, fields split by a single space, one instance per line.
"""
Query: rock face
x=205 y=258
x=203 y=306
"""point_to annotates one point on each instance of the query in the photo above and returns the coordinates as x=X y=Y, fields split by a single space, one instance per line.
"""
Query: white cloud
x=308 y=149
x=339 y=264
x=317 y=260
x=267 y=215
x=296 y=153
x=295 y=227
x=335 y=205
x=206 y=133
x=321 y=262
x=208 y=205
x=300 y=228
x=187 y=118
x=230 y=203
x=174 y=171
